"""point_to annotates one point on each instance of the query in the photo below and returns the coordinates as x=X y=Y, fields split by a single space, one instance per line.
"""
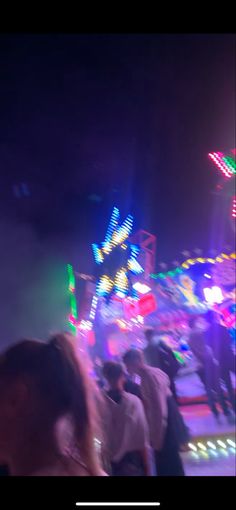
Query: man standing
x=156 y=397
x=157 y=354
x=200 y=339
x=218 y=339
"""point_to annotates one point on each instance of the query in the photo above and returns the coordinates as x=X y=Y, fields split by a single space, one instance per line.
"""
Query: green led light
x=73 y=304
x=230 y=162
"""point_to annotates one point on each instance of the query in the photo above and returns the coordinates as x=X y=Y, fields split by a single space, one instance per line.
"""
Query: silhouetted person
x=46 y=419
x=158 y=354
x=218 y=338
x=127 y=431
x=208 y=369
x=162 y=414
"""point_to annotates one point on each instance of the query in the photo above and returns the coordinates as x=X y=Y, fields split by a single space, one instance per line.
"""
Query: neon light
x=117 y=235
x=217 y=157
x=141 y=288
x=93 y=307
x=220 y=443
x=230 y=162
x=211 y=445
x=213 y=295
x=73 y=316
x=112 y=224
x=201 y=446
x=231 y=443
x=192 y=447
x=184 y=265
x=97 y=254
x=234 y=208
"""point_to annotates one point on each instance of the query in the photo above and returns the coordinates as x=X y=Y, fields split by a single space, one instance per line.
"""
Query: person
x=162 y=413
x=208 y=366
x=218 y=338
x=46 y=419
x=158 y=354
x=128 y=434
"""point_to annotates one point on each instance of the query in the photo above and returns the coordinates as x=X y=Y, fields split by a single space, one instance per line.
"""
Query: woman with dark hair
x=127 y=429
x=46 y=421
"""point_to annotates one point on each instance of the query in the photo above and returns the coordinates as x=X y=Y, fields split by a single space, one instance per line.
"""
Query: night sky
x=92 y=121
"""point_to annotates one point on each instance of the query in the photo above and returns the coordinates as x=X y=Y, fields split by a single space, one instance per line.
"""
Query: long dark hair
x=62 y=381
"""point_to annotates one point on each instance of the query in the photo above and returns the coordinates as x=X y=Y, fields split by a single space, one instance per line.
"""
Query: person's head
x=133 y=359
x=40 y=384
x=149 y=333
x=114 y=374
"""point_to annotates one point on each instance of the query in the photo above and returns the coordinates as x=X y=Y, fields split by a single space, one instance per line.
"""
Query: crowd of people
x=55 y=420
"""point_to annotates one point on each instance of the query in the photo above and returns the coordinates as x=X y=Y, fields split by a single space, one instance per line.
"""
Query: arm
x=146 y=461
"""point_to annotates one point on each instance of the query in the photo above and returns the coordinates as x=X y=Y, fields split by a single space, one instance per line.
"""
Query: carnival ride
x=124 y=295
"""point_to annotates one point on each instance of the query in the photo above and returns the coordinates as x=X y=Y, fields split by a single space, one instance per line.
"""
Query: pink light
x=234 y=208
x=72 y=319
x=217 y=158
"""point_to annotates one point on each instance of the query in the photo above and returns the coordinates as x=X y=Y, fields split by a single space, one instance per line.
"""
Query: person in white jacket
x=161 y=413
x=127 y=430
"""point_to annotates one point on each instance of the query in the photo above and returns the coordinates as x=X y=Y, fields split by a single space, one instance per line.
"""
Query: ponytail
x=75 y=394
x=63 y=386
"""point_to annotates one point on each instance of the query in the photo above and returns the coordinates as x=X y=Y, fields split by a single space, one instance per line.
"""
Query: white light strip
x=152 y=504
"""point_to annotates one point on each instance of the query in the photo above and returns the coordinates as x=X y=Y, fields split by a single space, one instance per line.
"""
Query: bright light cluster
x=226 y=164
x=93 y=307
x=117 y=235
x=142 y=288
x=212 y=448
x=191 y=262
x=73 y=316
x=234 y=208
x=213 y=295
x=85 y=325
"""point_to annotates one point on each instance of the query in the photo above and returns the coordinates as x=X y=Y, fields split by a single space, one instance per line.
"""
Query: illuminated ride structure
x=124 y=295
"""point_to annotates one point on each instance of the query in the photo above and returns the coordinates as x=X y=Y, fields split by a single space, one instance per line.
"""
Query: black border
x=62 y=493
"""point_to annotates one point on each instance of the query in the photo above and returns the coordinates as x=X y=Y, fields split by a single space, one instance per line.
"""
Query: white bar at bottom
x=152 y=504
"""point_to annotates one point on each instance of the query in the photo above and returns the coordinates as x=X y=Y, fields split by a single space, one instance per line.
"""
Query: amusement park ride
x=125 y=295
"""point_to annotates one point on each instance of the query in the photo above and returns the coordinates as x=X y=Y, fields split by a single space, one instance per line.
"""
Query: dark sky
x=129 y=118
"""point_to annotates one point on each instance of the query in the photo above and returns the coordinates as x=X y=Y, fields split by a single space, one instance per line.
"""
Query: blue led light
x=97 y=254
x=113 y=222
x=117 y=235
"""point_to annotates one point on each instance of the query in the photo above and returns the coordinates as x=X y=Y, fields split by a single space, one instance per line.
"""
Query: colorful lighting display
x=227 y=166
x=218 y=159
x=190 y=262
x=73 y=316
x=117 y=237
x=214 y=447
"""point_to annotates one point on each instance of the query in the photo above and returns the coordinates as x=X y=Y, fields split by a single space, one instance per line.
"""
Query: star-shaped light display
x=117 y=238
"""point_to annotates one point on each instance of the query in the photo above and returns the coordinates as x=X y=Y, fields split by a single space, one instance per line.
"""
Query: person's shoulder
x=160 y=375
x=130 y=397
